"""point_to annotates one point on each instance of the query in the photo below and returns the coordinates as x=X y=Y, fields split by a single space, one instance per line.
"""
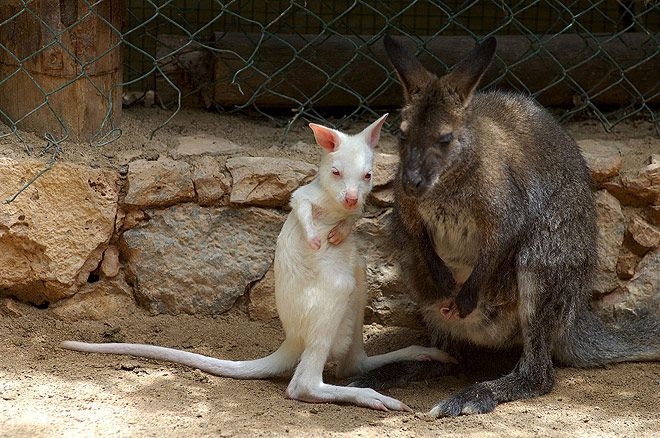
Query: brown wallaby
x=497 y=226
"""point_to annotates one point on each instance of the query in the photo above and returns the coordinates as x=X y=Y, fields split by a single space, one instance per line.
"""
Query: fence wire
x=291 y=60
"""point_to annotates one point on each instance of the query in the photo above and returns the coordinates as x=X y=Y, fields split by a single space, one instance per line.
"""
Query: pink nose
x=350 y=201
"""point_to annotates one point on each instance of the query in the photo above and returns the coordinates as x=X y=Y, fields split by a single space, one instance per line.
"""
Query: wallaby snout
x=351 y=199
x=412 y=182
x=420 y=169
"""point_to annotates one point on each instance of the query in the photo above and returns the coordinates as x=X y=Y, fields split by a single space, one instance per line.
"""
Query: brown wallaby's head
x=433 y=136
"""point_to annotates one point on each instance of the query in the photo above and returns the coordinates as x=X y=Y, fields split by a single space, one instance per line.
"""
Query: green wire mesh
x=177 y=48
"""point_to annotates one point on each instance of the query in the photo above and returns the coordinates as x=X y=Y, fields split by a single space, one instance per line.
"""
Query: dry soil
x=46 y=391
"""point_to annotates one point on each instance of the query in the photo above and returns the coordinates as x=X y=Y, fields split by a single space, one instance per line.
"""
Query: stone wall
x=196 y=231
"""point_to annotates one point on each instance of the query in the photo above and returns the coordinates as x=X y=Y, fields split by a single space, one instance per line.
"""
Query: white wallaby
x=320 y=287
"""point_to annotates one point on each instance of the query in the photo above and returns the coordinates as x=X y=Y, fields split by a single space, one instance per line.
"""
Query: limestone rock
x=644 y=235
x=646 y=282
x=97 y=301
x=202 y=144
x=211 y=185
x=610 y=237
x=385 y=166
x=603 y=158
x=130 y=217
x=267 y=182
x=110 y=263
x=389 y=300
x=646 y=182
x=626 y=265
x=638 y=188
x=373 y=240
x=262 y=298
x=199 y=260
x=382 y=198
x=159 y=183
x=90 y=265
x=119 y=219
x=653 y=214
x=399 y=311
x=51 y=230
x=13 y=308
x=642 y=291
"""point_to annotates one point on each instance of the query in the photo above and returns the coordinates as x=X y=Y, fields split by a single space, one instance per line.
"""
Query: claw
x=337 y=234
x=477 y=399
x=315 y=243
x=448 y=309
x=380 y=407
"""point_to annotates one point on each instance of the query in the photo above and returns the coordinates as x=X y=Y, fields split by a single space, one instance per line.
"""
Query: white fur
x=320 y=287
x=455 y=239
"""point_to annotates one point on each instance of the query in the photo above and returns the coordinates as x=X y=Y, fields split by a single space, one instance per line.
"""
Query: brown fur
x=494 y=214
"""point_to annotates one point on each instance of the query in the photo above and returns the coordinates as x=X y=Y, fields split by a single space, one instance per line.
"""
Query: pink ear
x=325 y=137
x=372 y=132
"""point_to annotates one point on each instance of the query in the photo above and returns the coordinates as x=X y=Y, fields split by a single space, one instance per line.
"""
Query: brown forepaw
x=448 y=309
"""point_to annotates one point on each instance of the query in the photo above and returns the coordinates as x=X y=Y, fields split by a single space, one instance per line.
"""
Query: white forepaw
x=314 y=242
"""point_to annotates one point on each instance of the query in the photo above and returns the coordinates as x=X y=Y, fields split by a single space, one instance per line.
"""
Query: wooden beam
x=292 y=69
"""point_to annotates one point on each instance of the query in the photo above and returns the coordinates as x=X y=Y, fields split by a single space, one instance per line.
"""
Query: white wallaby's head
x=347 y=162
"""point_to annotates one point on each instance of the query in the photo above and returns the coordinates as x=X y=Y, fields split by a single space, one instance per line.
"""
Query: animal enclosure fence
x=68 y=66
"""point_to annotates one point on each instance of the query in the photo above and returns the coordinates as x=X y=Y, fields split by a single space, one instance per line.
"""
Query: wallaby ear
x=412 y=74
x=327 y=138
x=466 y=75
x=372 y=132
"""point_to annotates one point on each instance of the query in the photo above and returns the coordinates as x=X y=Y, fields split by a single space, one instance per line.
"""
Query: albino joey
x=320 y=287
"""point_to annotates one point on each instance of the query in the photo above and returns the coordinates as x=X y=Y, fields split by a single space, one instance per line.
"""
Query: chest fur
x=456 y=239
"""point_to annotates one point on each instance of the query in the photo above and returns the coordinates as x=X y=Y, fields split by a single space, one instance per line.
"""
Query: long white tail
x=283 y=360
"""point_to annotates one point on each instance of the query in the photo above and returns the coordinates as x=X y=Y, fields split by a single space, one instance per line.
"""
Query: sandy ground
x=46 y=391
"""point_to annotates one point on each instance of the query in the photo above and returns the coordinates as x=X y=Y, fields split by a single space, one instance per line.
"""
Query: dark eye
x=336 y=171
x=445 y=139
x=402 y=136
x=367 y=176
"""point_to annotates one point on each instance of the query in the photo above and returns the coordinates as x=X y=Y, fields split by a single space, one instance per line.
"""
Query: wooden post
x=61 y=66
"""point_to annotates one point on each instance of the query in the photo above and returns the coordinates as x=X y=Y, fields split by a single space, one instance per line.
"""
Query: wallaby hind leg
x=349 y=364
x=356 y=360
x=307 y=381
x=307 y=384
x=534 y=373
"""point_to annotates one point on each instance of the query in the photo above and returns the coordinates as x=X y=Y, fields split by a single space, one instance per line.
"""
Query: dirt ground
x=46 y=391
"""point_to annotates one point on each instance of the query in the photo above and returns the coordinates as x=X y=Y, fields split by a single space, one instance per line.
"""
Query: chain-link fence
x=66 y=66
